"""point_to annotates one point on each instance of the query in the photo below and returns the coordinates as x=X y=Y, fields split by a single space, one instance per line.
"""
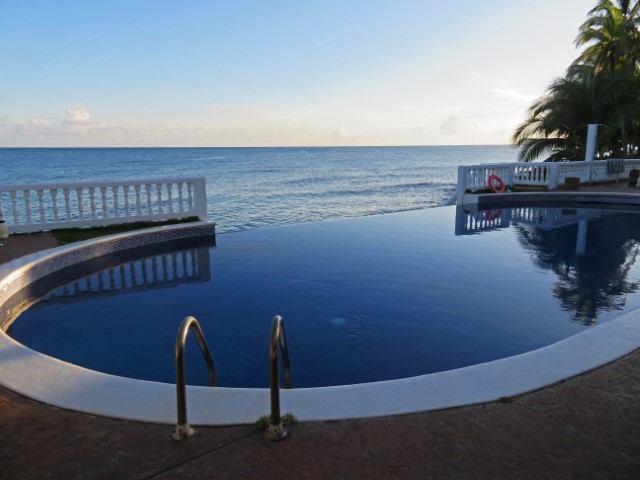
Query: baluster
x=190 y=205
x=174 y=266
x=91 y=286
x=79 y=196
x=134 y=277
x=145 y=272
x=112 y=280
x=123 y=278
x=180 y=199
x=43 y=217
x=170 y=196
x=136 y=188
x=147 y=188
x=154 y=270
x=54 y=201
x=101 y=276
x=165 y=271
x=92 y=201
x=67 y=204
x=103 y=191
x=125 y=190
x=27 y=205
x=194 y=264
x=14 y=206
x=185 y=272
x=116 y=206
x=159 y=192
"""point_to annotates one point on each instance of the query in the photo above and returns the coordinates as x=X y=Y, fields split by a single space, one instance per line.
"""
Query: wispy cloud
x=78 y=115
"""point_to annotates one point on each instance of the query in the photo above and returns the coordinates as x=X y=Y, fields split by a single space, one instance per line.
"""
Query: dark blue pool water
x=363 y=299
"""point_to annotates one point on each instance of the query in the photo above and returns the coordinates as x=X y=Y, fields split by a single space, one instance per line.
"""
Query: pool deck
x=585 y=427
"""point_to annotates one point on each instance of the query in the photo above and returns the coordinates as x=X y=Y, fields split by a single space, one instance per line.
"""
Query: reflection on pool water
x=363 y=300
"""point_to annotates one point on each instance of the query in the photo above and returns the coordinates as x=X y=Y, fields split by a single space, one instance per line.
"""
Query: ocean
x=259 y=187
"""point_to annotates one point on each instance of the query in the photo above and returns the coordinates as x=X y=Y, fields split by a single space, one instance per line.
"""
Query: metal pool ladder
x=276 y=430
x=183 y=430
x=277 y=342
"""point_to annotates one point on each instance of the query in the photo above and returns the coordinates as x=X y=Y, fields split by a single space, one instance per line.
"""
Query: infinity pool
x=366 y=299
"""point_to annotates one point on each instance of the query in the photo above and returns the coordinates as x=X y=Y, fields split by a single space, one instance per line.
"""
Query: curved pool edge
x=68 y=386
x=486 y=201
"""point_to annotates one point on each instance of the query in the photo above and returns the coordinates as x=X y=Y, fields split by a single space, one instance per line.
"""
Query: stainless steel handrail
x=275 y=430
x=183 y=430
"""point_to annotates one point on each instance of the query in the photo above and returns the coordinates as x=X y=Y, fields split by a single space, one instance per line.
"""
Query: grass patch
x=263 y=422
x=530 y=188
x=65 y=236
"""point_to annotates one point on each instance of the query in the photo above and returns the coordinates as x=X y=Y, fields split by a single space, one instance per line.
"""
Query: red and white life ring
x=500 y=188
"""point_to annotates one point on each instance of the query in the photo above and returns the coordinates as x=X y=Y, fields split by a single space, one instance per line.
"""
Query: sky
x=169 y=73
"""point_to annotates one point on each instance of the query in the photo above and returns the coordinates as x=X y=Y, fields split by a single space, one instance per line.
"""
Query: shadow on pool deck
x=583 y=428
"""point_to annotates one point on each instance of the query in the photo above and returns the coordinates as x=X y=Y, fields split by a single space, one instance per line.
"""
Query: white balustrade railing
x=472 y=178
x=36 y=207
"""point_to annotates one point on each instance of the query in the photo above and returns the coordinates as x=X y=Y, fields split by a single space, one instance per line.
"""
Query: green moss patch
x=65 y=236
x=263 y=422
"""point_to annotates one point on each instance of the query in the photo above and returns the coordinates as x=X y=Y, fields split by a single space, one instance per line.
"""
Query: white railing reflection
x=469 y=223
x=159 y=271
x=36 y=207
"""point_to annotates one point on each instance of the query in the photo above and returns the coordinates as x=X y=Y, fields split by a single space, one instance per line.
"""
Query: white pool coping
x=68 y=386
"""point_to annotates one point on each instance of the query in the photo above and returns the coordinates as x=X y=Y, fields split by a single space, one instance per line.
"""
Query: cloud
x=513 y=94
x=78 y=115
x=339 y=133
x=452 y=125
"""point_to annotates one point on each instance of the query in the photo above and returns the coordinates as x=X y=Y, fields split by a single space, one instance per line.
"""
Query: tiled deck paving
x=586 y=427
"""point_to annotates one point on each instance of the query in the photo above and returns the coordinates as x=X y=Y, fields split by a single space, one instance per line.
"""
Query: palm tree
x=611 y=36
x=557 y=121
x=602 y=86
